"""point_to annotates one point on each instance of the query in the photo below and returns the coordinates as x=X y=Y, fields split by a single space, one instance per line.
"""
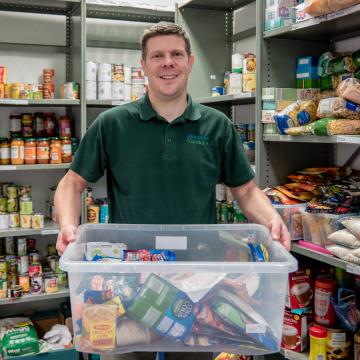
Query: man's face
x=167 y=66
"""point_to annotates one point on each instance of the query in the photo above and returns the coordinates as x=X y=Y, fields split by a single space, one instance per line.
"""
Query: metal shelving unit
x=40 y=297
x=243 y=99
x=336 y=139
x=50 y=228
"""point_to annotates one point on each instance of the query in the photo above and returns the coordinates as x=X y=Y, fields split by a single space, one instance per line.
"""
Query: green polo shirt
x=160 y=172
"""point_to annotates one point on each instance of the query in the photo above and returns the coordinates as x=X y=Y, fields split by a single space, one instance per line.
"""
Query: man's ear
x=143 y=65
x=191 y=60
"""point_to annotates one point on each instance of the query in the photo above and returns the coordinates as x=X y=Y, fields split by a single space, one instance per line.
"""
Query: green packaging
x=356 y=58
x=326 y=83
x=20 y=340
x=307 y=83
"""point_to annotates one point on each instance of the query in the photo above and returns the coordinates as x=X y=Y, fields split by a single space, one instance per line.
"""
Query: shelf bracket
x=353 y=157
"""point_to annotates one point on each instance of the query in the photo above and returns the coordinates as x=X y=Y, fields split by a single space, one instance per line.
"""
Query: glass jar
x=55 y=151
x=17 y=151
x=15 y=125
x=43 y=151
x=50 y=124
x=27 y=126
x=65 y=126
x=30 y=151
x=39 y=124
x=66 y=153
x=4 y=151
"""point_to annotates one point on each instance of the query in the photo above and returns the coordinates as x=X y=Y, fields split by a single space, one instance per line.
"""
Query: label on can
x=14 y=220
x=24 y=282
x=36 y=285
x=35 y=270
x=15 y=292
x=21 y=246
x=51 y=284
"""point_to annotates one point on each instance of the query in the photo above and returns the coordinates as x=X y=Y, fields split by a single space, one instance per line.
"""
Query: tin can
x=3 y=289
x=3 y=270
x=12 y=191
x=37 y=221
x=24 y=282
x=3 y=73
x=22 y=264
x=52 y=249
x=51 y=284
x=53 y=262
x=25 y=190
x=34 y=257
x=104 y=213
x=48 y=76
x=26 y=205
x=21 y=246
x=35 y=270
x=62 y=279
x=323 y=308
x=15 y=90
x=7 y=91
x=48 y=91
x=15 y=292
x=4 y=221
x=3 y=204
x=12 y=205
x=9 y=245
x=14 y=220
x=93 y=214
x=25 y=221
x=36 y=285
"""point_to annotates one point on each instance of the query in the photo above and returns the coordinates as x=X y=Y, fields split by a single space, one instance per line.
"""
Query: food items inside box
x=121 y=311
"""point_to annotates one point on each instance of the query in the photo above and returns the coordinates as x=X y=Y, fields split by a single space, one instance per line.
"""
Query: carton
x=294 y=333
x=300 y=291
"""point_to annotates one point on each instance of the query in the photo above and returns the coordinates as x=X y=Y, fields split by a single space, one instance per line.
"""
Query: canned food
x=3 y=71
x=36 y=285
x=14 y=220
x=35 y=270
x=15 y=90
x=3 y=289
x=26 y=205
x=12 y=191
x=27 y=92
x=7 y=90
x=15 y=292
x=25 y=221
x=48 y=76
x=37 y=221
x=12 y=205
x=51 y=284
x=48 y=91
x=21 y=246
x=9 y=246
x=25 y=190
x=3 y=204
x=22 y=264
x=24 y=282
x=4 y=221
x=34 y=257
x=53 y=262
x=93 y=214
x=38 y=93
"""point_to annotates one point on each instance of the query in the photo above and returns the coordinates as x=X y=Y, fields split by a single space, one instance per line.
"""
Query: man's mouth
x=168 y=77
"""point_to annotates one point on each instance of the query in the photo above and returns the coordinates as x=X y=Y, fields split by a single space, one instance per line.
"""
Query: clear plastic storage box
x=317 y=227
x=212 y=298
x=291 y=214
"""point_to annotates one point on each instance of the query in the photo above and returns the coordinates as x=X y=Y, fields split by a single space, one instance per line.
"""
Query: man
x=163 y=154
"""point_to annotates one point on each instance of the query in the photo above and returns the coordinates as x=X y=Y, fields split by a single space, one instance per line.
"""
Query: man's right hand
x=66 y=235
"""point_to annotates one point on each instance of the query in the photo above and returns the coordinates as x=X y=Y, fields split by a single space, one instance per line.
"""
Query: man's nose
x=168 y=60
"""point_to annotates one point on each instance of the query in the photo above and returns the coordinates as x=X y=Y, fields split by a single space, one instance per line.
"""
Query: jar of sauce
x=4 y=151
x=30 y=151
x=65 y=126
x=50 y=125
x=17 y=151
x=39 y=124
x=55 y=151
x=43 y=151
x=27 y=126
x=66 y=153
x=15 y=125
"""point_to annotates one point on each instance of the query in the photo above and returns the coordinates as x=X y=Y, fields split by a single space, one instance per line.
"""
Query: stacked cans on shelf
x=97 y=209
x=16 y=208
x=21 y=271
x=105 y=81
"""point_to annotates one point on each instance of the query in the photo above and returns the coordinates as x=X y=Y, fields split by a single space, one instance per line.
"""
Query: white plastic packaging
x=117 y=91
x=104 y=72
x=104 y=90
x=91 y=90
x=91 y=71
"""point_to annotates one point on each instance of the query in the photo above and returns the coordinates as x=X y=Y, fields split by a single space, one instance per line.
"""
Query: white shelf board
x=50 y=228
x=244 y=98
x=293 y=355
x=31 y=298
x=34 y=167
x=41 y=102
x=336 y=139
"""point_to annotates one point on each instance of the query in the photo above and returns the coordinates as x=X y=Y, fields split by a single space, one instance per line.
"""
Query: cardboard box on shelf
x=279 y=94
x=267 y=116
x=294 y=332
x=300 y=291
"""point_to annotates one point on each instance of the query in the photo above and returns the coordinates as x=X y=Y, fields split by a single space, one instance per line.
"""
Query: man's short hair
x=164 y=28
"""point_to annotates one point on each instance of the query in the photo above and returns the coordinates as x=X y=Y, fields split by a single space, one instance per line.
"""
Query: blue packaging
x=307 y=67
x=217 y=90
x=104 y=214
x=283 y=122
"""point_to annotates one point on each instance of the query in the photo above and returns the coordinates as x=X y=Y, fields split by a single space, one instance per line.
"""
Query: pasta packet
x=307 y=112
x=325 y=127
x=287 y=118
x=338 y=107
x=299 y=130
x=349 y=89
x=323 y=7
x=342 y=65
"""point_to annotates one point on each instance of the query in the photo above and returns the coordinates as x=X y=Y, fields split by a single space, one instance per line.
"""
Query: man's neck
x=169 y=109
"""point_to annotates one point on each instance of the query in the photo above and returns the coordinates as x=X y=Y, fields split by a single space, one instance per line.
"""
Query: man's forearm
x=68 y=202
x=254 y=204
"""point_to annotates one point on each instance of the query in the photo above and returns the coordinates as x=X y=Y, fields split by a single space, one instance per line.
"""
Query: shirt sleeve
x=90 y=159
x=235 y=169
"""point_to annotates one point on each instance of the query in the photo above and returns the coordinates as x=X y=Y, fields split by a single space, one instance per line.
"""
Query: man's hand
x=279 y=232
x=66 y=235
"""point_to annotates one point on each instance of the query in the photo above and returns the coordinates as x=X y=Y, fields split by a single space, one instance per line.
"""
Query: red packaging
x=35 y=270
x=48 y=76
x=50 y=125
x=324 y=312
x=294 y=332
x=300 y=290
x=3 y=74
x=48 y=91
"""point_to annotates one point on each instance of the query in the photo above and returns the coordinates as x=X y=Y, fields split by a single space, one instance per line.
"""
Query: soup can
x=36 y=285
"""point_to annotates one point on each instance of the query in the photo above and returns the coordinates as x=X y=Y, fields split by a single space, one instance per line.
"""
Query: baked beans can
x=24 y=282
x=48 y=76
x=48 y=91
x=21 y=243
x=22 y=264
x=35 y=270
x=3 y=289
x=14 y=220
x=117 y=72
x=3 y=72
x=36 y=285
x=34 y=257
x=37 y=221
x=25 y=221
x=51 y=284
x=15 y=292
x=93 y=214
x=4 y=221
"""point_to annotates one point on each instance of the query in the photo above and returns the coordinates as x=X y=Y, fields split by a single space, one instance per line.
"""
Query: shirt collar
x=147 y=112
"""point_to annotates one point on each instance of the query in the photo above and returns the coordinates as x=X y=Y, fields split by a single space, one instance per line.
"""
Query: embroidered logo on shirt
x=197 y=139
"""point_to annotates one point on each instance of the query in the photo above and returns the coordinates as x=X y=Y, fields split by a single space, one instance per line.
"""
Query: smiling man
x=163 y=156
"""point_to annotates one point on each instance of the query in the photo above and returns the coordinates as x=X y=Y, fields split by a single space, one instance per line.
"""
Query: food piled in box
x=127 y=308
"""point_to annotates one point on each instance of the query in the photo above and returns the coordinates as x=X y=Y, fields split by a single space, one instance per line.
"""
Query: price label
x=7 y=167
x=50 y=232
x=353 y=269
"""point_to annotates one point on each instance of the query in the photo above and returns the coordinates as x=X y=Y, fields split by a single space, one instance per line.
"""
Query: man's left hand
x=279 y=232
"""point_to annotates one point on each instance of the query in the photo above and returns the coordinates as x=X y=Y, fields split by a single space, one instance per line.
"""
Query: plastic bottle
x=318 y=336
